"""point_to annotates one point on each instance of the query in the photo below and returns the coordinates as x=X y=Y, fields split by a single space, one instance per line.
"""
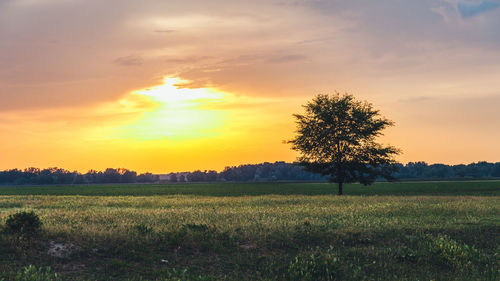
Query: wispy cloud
x=417 y=99
x=132 y=60
x=286 y=58
x=472 y=9
x=164 y=30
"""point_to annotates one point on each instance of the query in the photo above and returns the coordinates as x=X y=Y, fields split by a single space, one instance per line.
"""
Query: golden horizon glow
x=163 y=128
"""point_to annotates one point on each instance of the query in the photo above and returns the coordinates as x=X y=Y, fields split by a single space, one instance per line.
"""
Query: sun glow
x=179 y=113
x=170 y=93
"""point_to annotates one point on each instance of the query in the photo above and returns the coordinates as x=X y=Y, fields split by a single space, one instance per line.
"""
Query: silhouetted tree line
x=282 y=171
x=422 y=170
x=278 y=171
x=61 y=176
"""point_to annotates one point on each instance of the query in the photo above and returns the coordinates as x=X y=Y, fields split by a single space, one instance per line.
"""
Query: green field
x=264 y=231
x=478 y=188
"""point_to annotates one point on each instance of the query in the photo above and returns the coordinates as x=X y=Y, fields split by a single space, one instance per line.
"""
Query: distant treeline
x=282 y=171
x=61 y=176
x=278 y=171
x=422 y=170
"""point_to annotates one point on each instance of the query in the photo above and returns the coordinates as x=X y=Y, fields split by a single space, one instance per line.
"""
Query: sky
x=165 y=86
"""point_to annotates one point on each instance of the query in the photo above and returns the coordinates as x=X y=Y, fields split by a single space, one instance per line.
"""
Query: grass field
x=265 y=231
x=480 y=188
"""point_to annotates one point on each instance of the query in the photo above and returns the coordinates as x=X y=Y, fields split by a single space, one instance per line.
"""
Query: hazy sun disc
x=179 y=113
x=170 y=93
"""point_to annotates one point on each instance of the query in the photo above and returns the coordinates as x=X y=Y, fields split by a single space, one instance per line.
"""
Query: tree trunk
x=340 y=188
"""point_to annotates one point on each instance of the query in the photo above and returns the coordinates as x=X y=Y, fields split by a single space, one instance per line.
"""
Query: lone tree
x=336 y=136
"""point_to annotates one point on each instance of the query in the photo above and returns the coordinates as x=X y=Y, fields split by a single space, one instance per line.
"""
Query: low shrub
x=23 y=223
x=455 y=255
x=319 y=265
x=441 y=251
x=32 y=273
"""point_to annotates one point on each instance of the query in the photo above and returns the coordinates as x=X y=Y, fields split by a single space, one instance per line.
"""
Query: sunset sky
x=168 y=85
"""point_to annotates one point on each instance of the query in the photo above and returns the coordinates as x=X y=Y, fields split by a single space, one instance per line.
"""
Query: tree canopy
x=336 y=136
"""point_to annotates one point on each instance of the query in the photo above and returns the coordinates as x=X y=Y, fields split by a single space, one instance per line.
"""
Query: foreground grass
x=262 y=237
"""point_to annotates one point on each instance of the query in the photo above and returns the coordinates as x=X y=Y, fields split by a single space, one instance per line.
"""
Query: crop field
x=255 y=231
